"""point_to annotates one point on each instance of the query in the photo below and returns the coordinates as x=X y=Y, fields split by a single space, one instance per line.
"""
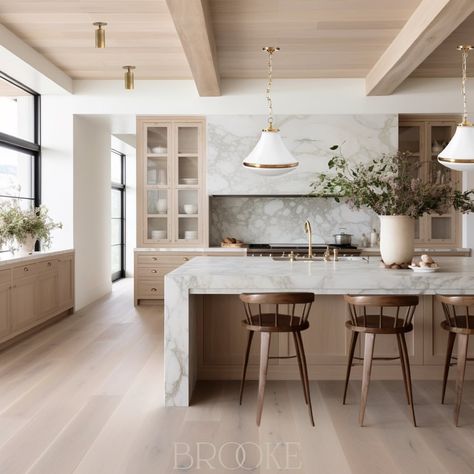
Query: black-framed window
x=20 y=147
x=117 y=173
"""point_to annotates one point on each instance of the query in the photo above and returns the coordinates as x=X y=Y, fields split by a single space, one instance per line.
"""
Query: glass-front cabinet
x=424 y=137
x=171 y=182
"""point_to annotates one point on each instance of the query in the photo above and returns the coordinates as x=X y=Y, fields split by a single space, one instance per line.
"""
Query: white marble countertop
x=193 y=249
x=8 y=258
x=226 y=275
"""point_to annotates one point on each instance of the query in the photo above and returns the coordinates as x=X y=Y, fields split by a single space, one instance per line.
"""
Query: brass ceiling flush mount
x=129 y=77
x=270 y=156
x=99 y=34
x=459 y=153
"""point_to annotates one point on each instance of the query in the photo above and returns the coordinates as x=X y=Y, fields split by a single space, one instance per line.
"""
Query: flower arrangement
x=391 y=185
x=18 y=225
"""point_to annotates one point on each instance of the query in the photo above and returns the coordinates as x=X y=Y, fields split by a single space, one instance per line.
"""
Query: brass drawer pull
x=26 y=269
x=154 y=271
x=153 y=289
x=186 y=259
x=154 y=259
x=49 y=264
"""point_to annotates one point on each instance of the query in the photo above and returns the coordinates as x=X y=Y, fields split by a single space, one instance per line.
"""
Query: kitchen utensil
x=190 y=209
x=342 y=238
x=158 y=234
x=159 y=150
x=417 y=269
x=162 y=206
x=190 y=234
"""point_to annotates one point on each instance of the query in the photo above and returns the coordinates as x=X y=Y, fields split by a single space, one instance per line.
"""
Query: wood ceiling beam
x=430 y=24
x=192 y=21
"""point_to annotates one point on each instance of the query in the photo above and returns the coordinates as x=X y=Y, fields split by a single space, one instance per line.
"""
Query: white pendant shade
x=459 y=154
x=270 y=156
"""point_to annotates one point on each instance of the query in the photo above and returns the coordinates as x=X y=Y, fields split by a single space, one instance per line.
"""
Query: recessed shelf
x=156 y=155
x=188 y=215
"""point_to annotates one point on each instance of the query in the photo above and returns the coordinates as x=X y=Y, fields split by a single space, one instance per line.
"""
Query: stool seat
x=266 y=322
x=459 y=325
x=373 y=324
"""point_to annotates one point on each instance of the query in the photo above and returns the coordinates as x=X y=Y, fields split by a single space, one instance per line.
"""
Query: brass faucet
x=308 y=230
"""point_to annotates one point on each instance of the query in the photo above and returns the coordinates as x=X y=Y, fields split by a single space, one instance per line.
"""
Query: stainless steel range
x=282 y=250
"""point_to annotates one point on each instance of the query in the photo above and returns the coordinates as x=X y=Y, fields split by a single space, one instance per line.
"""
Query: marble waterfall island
x=215 y=282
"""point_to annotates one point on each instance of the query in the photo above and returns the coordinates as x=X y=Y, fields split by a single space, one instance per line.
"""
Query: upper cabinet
x=424 y=137
x=171 y=194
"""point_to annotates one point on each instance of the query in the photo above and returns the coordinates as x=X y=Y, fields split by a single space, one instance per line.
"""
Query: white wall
x=91 y=208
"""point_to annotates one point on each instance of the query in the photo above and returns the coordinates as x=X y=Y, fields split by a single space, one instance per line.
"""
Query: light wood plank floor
x=85 y=396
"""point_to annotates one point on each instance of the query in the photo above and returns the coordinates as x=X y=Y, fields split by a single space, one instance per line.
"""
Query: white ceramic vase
x=28 y=246
x=397 y=239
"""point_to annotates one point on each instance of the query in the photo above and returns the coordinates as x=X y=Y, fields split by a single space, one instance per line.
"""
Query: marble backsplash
x=280 y=219
x=230 y=138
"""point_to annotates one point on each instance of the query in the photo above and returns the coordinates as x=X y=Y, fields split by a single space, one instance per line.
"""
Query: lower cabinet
x=152 y=266
x=34 y=292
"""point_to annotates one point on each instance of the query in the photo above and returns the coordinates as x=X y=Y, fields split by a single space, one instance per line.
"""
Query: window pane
x=116 y=203
x=116 y=168
x=116 y=258
x=116 y=231
x=16 y=111
x=16 y=173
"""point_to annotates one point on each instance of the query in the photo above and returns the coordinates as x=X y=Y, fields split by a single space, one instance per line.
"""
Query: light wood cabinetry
x=33 y=292
x=171 y=188
x=424 y=137
x=152 y=266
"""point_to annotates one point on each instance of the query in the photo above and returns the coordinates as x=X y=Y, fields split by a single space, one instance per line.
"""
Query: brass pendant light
x=99 y=34
x=129 y=77
x=459 y=153
x=270 y=156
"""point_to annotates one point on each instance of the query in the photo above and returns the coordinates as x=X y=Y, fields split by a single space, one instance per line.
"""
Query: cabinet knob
x=25 y=269
x=49 y=264
x=154 y=271
x=153 y=289
x=154 y=259
x=186 y=259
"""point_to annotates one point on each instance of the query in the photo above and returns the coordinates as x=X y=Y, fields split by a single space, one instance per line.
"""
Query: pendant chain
x=269 y=90
x=464 y=52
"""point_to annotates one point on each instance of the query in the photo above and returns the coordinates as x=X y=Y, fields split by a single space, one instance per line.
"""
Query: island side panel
x=176 y=344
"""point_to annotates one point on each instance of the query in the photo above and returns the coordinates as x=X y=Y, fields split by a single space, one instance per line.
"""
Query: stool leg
x=305 y=373
x=349 y=363
x=246 y=361
x=265 y=338
x=447 y=362
x=367 y=368
x=300 y=366
x=404 y=370
x=462 y=356
x=408 y=372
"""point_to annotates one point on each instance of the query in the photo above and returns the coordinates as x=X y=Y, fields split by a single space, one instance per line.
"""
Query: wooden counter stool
x=459 y=322
x=368 y=316
x=294 y=320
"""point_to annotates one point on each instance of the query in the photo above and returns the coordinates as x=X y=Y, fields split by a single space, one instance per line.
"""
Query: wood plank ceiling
x=318 y=38
x=139 y=32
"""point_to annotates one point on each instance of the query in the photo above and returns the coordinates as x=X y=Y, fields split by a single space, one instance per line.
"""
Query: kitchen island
x=203 y=338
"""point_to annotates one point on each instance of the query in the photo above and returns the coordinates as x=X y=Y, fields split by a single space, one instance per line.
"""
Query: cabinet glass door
x=157 y=179
x=187 y=186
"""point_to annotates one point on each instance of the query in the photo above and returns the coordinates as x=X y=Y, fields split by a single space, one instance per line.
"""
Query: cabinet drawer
x=5 y=276
x=155 y=272
x=47 y=265
x=25 y=270
x=175 y=260
x=150 y=289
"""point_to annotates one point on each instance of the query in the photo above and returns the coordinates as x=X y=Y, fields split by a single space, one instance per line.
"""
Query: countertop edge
x=13 y=260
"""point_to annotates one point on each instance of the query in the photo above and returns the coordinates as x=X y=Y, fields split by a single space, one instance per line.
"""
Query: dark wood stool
x=294 y=320
x=459 y=322
x=377 y=322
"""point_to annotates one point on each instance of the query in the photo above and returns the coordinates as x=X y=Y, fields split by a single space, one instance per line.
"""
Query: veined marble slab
x=230 y=138
x=233 y=275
